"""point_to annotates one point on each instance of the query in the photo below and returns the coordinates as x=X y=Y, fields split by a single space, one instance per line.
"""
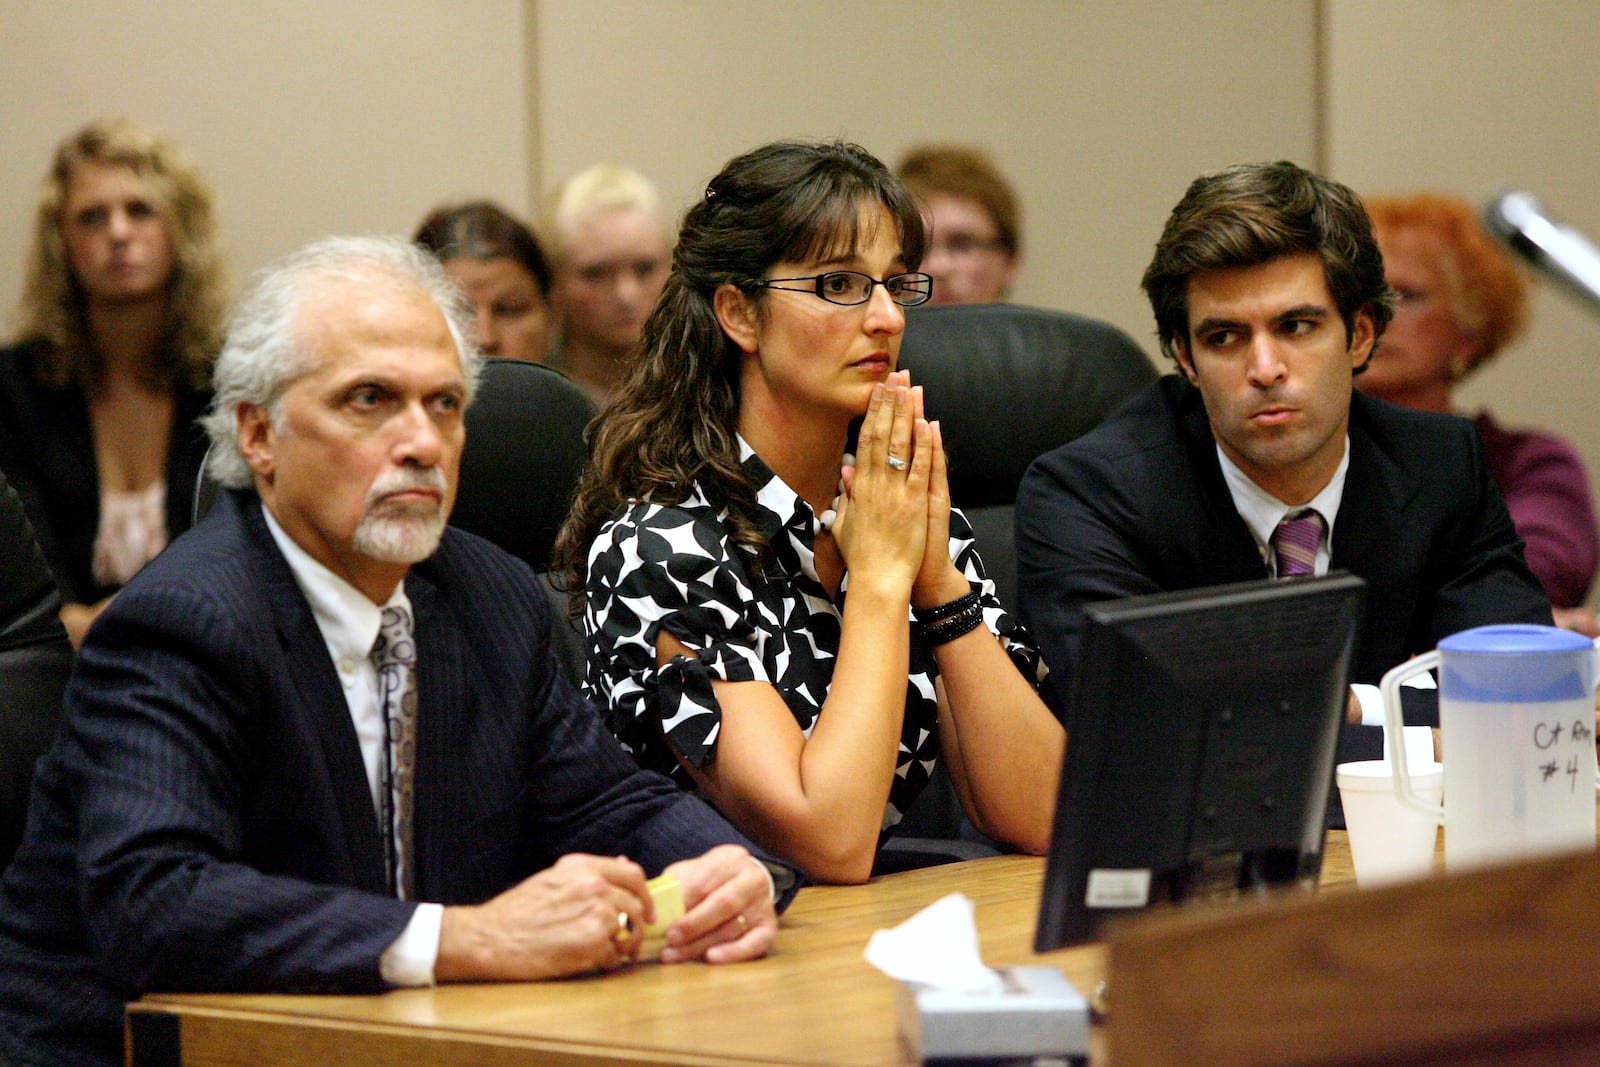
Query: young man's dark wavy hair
x=1251 y=213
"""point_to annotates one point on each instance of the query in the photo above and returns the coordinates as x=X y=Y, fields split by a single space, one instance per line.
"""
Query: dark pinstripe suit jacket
x=204 y=821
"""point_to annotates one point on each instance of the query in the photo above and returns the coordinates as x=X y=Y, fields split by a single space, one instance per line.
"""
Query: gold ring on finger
x=624 y=932
x=744 y=927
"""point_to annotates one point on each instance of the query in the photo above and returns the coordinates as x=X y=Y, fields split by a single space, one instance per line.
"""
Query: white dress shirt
x=1261 y=511
x=349 y=623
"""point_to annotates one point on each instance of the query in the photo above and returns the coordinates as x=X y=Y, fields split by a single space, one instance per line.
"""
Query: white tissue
x=938 y=946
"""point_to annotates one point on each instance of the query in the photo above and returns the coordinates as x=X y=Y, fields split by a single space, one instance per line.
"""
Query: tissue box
x=1039 y=1014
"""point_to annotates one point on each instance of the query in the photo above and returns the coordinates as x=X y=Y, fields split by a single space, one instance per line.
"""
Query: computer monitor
x=1201 y=736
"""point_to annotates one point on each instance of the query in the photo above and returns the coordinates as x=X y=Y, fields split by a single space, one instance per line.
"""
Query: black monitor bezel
x=1064 y=916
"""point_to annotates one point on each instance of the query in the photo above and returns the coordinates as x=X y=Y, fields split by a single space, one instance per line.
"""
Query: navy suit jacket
x=204 y=821
x=1139 y=505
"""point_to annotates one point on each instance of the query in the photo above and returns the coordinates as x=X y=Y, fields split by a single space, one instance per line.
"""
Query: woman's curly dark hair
x=675 y=423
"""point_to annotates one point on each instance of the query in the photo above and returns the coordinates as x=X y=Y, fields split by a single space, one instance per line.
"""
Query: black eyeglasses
x=850 y=287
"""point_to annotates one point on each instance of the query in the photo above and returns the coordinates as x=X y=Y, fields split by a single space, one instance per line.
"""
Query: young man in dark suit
x=1258 y=459
x=322 y=742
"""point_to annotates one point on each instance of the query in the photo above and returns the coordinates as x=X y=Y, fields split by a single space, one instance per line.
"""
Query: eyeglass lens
x=852 y=287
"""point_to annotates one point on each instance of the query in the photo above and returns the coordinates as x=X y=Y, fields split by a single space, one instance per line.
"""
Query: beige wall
x=1094 y=109
x=308 y=116
x=311 y=116
x=320 y=115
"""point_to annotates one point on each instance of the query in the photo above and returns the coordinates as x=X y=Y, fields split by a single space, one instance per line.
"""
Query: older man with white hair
x=321 y=742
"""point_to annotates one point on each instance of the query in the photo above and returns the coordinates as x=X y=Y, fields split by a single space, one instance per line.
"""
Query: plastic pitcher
x=1517 y=723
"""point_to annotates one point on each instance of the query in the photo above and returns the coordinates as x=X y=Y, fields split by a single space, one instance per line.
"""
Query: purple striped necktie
x=1295 y=543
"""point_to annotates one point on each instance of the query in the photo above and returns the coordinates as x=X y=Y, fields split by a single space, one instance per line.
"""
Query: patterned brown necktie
x=395 y=655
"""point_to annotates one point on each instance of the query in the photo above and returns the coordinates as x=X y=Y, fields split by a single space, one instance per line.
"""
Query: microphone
x=1550 y=245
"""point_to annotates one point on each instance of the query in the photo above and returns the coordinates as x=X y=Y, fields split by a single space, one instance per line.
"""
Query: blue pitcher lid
x=1515 y=638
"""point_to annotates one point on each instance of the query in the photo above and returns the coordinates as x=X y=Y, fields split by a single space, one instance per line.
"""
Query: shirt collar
x=782 y=508
x=1261 y=511
x=348 y=620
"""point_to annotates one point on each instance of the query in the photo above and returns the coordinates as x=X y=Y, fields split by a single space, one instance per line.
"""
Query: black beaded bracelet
x=952 y=627
x=926 y=616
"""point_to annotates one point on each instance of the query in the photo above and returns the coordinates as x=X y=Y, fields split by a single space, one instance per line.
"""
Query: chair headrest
x=522 y=459
x=1008 y=383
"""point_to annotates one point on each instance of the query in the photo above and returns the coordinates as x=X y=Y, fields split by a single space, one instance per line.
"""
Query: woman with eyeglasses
x=797 y=634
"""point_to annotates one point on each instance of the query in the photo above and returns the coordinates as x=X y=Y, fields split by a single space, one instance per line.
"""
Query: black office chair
x=524 y=454
x=35 y=660
x=520 y=468
x=1007 y=383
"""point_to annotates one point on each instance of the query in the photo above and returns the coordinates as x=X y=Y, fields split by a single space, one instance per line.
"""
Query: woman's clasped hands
x=893 y=512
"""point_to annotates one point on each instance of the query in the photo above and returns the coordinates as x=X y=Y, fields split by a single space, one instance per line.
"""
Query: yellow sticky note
x=667 y=895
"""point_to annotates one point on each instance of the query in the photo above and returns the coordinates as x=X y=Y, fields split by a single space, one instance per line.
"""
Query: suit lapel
x=440 y=684
x=1227 y=550
x=1371 y=518
x=321 y=708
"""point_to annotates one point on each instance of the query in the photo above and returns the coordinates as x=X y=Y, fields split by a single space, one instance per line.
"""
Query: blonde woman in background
x=973 y=221
x=120 y=319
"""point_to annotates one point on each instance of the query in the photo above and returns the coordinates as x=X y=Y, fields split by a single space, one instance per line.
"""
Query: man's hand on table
x=586 y=913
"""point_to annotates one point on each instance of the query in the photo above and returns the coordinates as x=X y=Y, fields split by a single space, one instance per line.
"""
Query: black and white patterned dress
x=675 y=568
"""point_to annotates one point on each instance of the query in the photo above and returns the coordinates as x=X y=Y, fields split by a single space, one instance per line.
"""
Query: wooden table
x=814 y=1000
x=1487 y=967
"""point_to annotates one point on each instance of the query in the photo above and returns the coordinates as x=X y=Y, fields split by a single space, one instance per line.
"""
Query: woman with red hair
x=1460 y=301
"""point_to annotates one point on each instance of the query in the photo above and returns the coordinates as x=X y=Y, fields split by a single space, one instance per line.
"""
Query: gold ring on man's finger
x=624 y=932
